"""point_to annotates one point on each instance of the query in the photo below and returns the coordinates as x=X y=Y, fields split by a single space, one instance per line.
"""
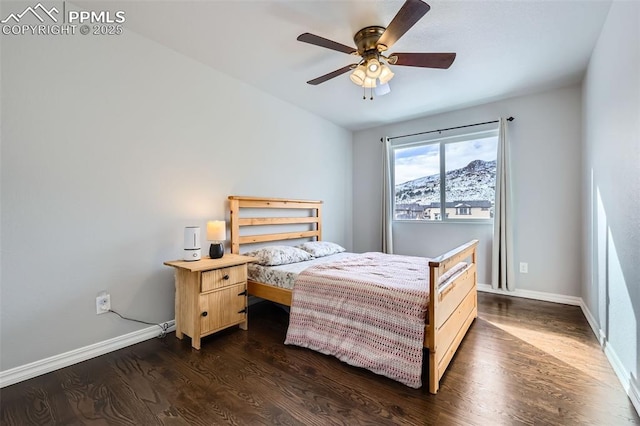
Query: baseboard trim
x=537 y=295
x=626 y=379
x=593 y=323
x=634 y=396
x=47 y=365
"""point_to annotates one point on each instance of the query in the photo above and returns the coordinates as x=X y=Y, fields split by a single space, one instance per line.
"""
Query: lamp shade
x=373 y=68
x=369 y=83
x=216 y=230
x=358 y=75
x=382 y=89
x=385 y=74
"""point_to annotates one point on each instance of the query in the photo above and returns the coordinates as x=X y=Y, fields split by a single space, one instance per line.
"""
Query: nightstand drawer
x=218 y=278
x=222 y=308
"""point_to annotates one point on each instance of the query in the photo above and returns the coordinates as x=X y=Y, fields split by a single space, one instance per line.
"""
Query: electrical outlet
x=103 y=303
x=524 y=268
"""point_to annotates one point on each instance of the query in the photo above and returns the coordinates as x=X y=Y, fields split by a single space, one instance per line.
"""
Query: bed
x=260 y=221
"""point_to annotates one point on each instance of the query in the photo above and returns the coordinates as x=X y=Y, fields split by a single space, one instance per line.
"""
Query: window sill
x=448 y=222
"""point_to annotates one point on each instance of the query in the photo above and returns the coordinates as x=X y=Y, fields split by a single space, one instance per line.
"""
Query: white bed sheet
x=284 y=276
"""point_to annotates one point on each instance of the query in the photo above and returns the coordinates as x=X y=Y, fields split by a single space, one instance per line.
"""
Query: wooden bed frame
x=450 y=314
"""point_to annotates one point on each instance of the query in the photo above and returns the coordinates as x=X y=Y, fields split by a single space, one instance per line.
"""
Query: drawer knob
x=243 y=311
x=205 y=313
x=225 y=277
x=244 y=293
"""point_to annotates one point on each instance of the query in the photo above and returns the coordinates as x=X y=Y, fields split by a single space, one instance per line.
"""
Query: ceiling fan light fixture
x=373 y=68
x=372 y=71
x=358 y=75
x=385 y=74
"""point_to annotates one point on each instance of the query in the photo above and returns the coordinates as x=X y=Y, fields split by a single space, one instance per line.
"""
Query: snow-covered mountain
x=475 y=181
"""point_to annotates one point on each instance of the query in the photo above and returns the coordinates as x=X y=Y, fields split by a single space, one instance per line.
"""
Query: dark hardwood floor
x=522 y=362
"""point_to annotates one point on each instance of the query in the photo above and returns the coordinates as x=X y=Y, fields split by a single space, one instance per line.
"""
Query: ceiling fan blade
x=331 y=75
x=326 y=43
x=424 y=60
x=410 y=13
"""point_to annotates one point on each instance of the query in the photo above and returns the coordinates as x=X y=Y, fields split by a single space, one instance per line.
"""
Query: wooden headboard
x=238 y=221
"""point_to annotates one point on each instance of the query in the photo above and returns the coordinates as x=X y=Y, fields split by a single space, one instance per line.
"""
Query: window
x=465 y=163
x=463 y=209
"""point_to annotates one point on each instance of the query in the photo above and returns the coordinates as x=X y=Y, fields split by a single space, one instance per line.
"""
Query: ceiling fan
x=373 y=41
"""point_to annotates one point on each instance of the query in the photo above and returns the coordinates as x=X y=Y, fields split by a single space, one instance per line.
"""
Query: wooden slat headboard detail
x=236 y=203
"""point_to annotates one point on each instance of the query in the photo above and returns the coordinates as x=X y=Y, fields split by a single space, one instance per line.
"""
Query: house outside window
x=466 y=163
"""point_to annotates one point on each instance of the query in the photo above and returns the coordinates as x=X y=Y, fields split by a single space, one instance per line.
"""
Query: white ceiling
x=504 y=48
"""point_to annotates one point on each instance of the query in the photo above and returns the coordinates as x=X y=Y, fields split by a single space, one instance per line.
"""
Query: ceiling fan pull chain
x=364 y=92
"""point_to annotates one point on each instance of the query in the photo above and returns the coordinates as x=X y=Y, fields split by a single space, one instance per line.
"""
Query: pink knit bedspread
x=368 y=311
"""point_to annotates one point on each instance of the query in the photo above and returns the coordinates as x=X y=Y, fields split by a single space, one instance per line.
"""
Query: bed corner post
x=434 y=373
x=474 y=260
x=234 y=213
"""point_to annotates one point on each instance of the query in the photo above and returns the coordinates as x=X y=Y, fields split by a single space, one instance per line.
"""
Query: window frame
x=442 y=141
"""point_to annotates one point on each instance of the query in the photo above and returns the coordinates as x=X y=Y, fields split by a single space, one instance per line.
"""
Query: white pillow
x=279 y=255
x=321 y=248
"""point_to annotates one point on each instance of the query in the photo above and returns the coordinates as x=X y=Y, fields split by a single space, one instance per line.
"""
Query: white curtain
x=502 y=264
x=387 y=202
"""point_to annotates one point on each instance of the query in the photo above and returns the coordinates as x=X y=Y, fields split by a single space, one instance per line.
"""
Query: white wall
x=611 y=287
x=545 y=140
x=110 y=146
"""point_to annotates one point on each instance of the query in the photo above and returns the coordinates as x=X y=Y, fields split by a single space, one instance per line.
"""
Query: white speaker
x=192 y=243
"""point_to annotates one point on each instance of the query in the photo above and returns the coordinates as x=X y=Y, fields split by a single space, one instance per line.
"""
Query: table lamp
x=216 y=232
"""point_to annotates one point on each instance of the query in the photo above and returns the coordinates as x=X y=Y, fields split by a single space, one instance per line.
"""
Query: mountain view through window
x=468 y=168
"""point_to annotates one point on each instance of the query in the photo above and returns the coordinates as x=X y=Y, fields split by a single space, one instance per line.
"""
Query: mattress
x=284 y=276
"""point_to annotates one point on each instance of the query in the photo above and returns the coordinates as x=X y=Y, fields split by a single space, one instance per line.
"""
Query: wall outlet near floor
x=103 y=303
x=524 y=268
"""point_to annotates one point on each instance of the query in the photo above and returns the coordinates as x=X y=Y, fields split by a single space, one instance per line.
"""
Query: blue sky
x=415 y=162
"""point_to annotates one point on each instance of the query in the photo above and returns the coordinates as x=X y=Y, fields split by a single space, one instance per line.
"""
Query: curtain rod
x=442 y=130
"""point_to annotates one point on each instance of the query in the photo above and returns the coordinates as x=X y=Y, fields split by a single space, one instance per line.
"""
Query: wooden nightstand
x=211 y=295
